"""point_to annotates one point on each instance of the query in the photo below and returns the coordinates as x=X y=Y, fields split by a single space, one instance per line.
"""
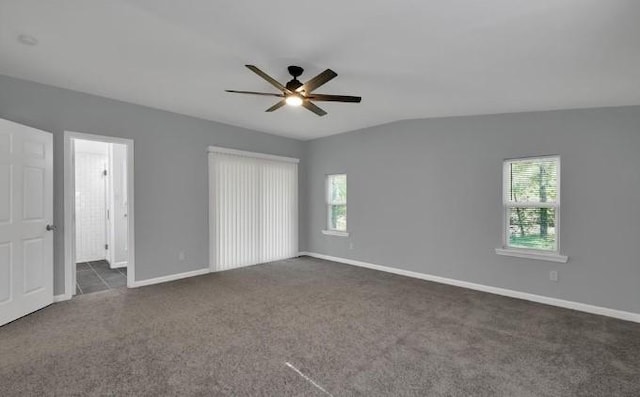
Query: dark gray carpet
x=352 y=331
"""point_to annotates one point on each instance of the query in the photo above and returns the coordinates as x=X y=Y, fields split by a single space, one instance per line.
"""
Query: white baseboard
x=61 y=298
x=118 y=265
x=151 y=281
x=583 y=307
x=170 y=277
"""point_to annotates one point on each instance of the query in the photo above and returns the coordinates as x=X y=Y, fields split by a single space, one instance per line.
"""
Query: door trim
x=70 y=206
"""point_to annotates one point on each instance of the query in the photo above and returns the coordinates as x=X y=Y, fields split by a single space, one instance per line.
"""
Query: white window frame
x=530 y=253
x=328 y=203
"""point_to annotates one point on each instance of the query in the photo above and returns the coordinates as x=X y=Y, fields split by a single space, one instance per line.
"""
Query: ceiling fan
x=295 y=93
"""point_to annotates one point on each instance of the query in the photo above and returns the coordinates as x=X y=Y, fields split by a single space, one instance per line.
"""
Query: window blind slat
x=532 y=180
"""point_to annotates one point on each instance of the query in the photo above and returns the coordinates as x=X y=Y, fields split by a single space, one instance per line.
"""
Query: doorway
x=99 y=243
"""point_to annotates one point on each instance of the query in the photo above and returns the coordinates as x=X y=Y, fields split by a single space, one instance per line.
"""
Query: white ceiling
x=406 y=58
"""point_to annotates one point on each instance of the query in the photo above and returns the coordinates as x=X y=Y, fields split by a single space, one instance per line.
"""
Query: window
x=337 y=205
x=531 y=201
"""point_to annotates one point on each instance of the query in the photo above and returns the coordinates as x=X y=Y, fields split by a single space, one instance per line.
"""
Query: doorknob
x=51 y=228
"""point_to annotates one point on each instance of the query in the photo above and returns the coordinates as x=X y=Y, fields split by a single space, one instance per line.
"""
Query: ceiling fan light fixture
x=293 y=100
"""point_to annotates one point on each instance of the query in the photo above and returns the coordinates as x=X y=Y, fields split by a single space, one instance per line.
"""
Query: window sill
x=550 y=257
x=335 y=233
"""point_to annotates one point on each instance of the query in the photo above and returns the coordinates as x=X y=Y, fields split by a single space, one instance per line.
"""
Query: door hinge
x=104 y=172
x=106 y=246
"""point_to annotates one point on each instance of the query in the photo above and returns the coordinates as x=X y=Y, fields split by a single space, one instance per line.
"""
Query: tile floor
x=98 y=276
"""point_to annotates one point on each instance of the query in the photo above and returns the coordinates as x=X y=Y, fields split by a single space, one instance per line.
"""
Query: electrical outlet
x=553 y=275
x=181 y=256
x=350 y=246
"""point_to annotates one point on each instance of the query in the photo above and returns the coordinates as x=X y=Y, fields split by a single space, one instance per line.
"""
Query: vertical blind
x=255 y=208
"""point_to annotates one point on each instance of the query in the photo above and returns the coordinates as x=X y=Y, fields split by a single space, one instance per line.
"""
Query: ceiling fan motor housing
x=295 y=71
x=293 y=84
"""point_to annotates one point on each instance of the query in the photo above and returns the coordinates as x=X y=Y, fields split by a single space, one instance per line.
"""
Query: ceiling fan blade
x=335 y=98
x=270 y=79
x=276 y=106
x=317 y=81
x=310 y=106
x=255 y=93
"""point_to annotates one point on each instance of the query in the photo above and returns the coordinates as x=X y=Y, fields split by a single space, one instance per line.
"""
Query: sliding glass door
x=254 y=208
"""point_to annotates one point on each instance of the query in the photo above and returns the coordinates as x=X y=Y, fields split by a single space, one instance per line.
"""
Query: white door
x=26 y=211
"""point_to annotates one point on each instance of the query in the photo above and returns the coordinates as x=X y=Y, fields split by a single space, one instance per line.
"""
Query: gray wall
x=171 y=192
x=425 y=196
